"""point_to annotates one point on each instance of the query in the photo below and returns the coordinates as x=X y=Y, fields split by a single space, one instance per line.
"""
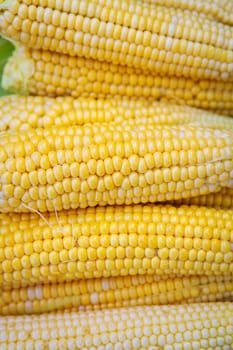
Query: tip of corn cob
x=17 y=71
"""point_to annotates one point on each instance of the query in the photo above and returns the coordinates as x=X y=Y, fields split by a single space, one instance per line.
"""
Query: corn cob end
x=5 y=4
x=17 y=71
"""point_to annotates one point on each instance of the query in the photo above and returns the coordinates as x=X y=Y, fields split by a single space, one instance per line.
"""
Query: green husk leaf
x=6 y=49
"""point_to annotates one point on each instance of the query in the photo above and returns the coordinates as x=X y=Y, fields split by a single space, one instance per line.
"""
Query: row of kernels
x=165 y=62
x=188 y=27
x=56 y=297
x=95 y=269
x=128 y=329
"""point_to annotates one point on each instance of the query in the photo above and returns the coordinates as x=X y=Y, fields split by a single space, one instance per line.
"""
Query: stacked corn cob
x=162 y=50
x=116 y=194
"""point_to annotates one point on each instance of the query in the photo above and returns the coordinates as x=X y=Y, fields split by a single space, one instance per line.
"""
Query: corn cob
x=219 y=10
x=115 y=241
x=21 y=113
x=221 y=199
x=109 y=163
x=102 y=293
x=50 y=74
x=170 y=327
x=25 y=112
x=160 y=39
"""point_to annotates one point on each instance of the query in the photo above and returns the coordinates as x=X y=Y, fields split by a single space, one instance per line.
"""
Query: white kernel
x=144 y=342
x=198 y=324
x=11 y=336
x=136 y=343
x=138 y=332
x=5 y=347
x=62 y=332
x=169 y=347
x=121 y=325
x=121 y=336
x=181 y=327
x=187 y=346
x=129 y=333
x=156 y=330
x=3 y=337
x=171 y=29
x=71 y=344
x=161 y=340
x=112 y=325
x=70 y=332
x=153 y=340
x=29 y=344
x=88 y=340
x=105 y=338
x=39 y=293
x=220 y=341
x=35 y=334
x=126 y=345
x=54 y=333
x=134 y=21
x=205 y=333
x=204 y=343
x=109 y=346
x=195 y=345
x=38 y=345
x=189 y=325
x=45 y=334
x=31 y=293
x=164 y=329
x=170 y=338
x=215 y=323
x=28 y=305
x=147 y=331
x=102 y=327
x=105 y=284
x=79 y=343
x=179 y=337
x=94 y=329
x=96 y=340
x=173 y=328
x=229 y=339
x=230 y=65
x=113 y=337
x=19 y=346
x=221 y=331
x=212 y=342
x=118 y=346
x=187 y=335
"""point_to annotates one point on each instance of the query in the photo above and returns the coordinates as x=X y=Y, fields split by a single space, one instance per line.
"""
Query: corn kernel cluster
x=170 y=51
x=200 y=326
x=116 y=194
x=116 y=241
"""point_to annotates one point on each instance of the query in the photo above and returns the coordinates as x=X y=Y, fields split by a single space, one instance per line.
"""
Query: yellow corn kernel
x=167 y=174
x=114 y=241
x=44 y=112
x=110 y=80
x=148 y=38
x=221 y=199
x=117 y=292
x=218 y=10
x=200 y=325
